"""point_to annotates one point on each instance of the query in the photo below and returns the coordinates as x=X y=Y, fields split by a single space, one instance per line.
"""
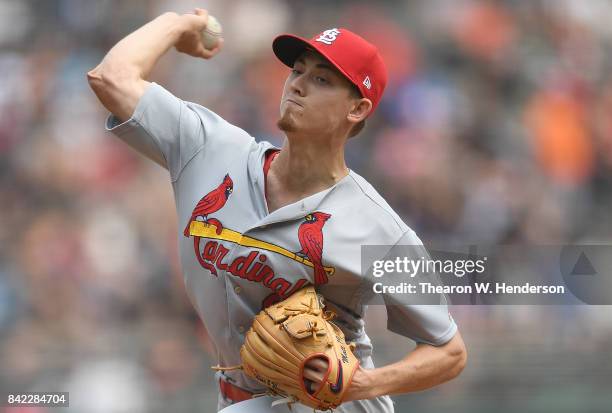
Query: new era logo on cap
x=367 y=83
x=356 y=58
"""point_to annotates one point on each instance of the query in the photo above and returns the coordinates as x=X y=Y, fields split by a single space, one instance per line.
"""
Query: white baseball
x=212 y=33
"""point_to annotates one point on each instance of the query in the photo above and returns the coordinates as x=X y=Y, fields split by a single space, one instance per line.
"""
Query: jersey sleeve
x=429 y=323
x=170 y=131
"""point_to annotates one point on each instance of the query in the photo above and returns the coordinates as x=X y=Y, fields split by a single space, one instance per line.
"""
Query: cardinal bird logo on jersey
x=212 y=202
x=310 y=235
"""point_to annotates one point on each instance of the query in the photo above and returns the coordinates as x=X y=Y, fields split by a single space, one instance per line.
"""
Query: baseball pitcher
x=270 y=238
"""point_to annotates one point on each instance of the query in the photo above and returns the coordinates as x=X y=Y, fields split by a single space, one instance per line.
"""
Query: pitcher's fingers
x=207 y=54
x=313 y=375
x=201 y=12
x=318 y=363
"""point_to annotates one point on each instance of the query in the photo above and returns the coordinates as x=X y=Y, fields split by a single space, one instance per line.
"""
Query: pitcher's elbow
x=106 y=76
x=94 y=78
x=460 y=357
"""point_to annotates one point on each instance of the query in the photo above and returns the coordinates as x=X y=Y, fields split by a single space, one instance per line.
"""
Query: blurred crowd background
x=496 y=127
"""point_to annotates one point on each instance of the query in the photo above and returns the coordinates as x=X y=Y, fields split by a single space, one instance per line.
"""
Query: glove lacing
x=291 y=311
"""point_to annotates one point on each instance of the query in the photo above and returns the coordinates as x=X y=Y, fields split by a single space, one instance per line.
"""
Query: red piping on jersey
x=270 y=155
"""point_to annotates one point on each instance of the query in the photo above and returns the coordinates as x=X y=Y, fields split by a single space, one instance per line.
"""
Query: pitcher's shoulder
x=364 y=200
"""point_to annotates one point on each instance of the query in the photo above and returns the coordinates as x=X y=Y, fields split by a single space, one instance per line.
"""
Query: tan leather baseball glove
x=285 y=336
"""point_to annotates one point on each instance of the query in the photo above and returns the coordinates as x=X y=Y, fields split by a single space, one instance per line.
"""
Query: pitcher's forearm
x=136 y=54
x=120 y=80
x=425 y=367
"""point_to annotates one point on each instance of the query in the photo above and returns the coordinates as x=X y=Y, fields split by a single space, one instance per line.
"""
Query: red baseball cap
x=356 y=58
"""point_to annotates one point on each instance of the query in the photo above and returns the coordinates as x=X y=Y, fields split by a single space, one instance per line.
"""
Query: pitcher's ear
x=360 y=110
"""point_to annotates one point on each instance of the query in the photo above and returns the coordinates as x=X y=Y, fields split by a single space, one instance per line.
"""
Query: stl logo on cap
x=328 y=36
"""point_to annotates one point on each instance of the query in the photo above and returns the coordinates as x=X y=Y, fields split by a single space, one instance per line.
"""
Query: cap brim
x=288 y=48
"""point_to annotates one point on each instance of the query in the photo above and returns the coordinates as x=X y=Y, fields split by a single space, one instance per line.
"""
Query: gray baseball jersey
x=237 y=257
